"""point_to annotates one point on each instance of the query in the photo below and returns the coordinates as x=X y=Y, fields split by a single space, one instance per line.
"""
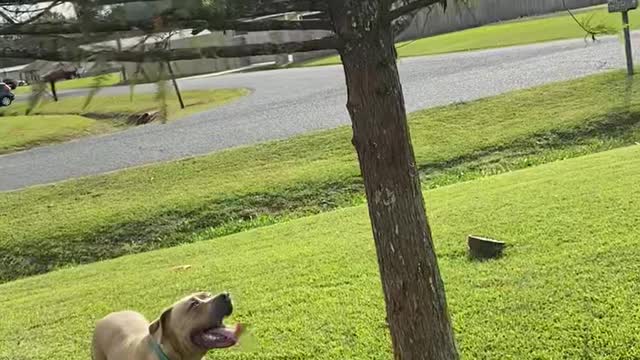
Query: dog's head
x=195 y=325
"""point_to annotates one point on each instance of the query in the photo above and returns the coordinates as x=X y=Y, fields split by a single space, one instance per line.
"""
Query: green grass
x=81 y=83
x=566 y=288
x=504 y=34
x=23 y=132
x=195 y=101
x=168 y=204
x=67 y=119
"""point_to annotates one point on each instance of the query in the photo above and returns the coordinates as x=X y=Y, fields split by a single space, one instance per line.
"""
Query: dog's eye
x=193 y=304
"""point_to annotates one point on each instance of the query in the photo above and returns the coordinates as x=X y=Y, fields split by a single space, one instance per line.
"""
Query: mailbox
x=622 y=5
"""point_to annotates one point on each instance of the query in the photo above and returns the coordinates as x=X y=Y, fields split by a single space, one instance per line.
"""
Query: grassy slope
x=162 y=205
x=505 y=34
x=61 y=122
x=567 y=287
x=194 y=101
x=105 y=80
x=23 y=132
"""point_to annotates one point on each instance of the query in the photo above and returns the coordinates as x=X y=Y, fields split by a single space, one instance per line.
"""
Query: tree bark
x=414 y=292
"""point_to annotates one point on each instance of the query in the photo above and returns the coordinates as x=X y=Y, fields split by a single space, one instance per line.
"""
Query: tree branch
x=257 y=8
x=269 y=7
x=162 y=55
x=6 y=17
x=43 y=12
x=97 y=2
x=150 y=26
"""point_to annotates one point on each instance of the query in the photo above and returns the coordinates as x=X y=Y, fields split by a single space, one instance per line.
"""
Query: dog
x=185 y=331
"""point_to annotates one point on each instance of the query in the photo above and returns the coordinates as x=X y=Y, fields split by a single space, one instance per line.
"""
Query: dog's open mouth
x=219 y=337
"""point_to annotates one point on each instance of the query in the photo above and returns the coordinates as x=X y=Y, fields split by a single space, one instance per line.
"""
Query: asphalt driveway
x=290 y=102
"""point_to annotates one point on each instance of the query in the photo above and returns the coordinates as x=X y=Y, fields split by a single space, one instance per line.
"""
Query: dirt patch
x=131 y=119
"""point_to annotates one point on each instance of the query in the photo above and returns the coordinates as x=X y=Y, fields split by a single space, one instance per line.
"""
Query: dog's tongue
x=219 y=338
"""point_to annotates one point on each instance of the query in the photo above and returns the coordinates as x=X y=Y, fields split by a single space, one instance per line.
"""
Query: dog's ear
x=158 y=325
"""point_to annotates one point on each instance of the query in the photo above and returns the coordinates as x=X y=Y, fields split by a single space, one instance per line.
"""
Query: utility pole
x=623 y=6
x=175 y=84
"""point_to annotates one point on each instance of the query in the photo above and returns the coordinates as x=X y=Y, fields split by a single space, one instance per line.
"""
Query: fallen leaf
x=181 y=268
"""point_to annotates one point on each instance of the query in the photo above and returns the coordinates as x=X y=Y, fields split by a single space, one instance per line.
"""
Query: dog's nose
x=225 y=298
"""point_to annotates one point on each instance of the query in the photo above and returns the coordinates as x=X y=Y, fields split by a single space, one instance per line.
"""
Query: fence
x=480 y=12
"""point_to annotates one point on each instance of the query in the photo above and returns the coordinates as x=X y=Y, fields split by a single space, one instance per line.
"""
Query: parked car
x=6 y=96
x=13 y=84
x=22 y=83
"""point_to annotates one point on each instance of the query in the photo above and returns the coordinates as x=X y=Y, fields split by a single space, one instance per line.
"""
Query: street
x=289 y=102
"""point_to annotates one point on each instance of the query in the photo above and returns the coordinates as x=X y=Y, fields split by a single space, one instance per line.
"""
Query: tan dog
x=185 y=331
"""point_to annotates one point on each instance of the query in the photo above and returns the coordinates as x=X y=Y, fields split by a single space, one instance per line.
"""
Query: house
x=40 y=69
x=185 y=39
x=13 y=72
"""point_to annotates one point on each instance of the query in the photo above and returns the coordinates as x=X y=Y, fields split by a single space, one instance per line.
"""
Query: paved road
x=295 y=101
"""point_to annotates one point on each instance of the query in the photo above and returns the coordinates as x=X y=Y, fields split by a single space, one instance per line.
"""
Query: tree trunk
x=414 y=292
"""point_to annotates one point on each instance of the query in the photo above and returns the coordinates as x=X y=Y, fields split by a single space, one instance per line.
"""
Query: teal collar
x=155 y=347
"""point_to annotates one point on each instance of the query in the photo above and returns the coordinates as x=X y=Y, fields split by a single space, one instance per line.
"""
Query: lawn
x=566 y=288
x=184 y=201
x=24 y=132
x=504 y=34
x=195 y=101
x=67 y=119
x=81 y=83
